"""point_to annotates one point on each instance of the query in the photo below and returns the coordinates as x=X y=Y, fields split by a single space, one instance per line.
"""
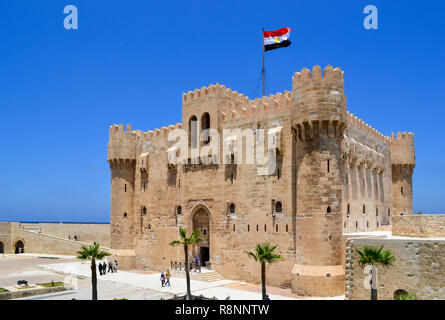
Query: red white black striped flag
x=276 y=39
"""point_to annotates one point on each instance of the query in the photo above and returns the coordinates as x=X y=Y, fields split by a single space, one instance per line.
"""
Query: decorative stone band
x=318 y=271
x=310 y=129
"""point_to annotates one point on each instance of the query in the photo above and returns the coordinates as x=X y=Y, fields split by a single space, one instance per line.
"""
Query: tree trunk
x=187 y=274
x=94 y=278
x=373 y=283
x=263 y=279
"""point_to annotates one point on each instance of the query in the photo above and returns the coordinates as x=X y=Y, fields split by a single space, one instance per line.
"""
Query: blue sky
x=130 y=61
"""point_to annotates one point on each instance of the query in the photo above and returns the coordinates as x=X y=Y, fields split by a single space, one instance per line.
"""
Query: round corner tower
x=318 y=107
x=122 y=159
x=403 y=161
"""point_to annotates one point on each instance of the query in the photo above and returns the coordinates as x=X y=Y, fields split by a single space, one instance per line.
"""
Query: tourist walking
x=104 y=268
x=167 y=276
x=100 y=268
x=115 y=265
x=110 y=267
x=162 y=279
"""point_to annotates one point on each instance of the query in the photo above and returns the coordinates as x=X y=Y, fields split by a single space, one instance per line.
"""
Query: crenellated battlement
x=358 y=123
x=318 y=103
x=122 y=143
x=402 y=149
x=159 y=137
x=258 y=109
x=307 y=78
x=212 y=91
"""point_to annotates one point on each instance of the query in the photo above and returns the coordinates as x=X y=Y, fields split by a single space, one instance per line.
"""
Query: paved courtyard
x=123 y=284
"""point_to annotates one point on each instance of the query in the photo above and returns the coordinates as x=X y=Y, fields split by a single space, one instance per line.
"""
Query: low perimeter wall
x=419 y=269
x=47 y=244
x=419 y=225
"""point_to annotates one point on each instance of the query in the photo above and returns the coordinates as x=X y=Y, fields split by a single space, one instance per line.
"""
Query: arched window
x=233 y=227
x=193 y=132
x=278 y=207
x=178 y=210
x=232 y=208
x=287 y=228
x=265 y=227
x=328 y=210
x=364 y=209
x=276 y=228
x=367 y=224
x=144 y=211
x=205 y=125
x=356 y=224
x=389 y=212
x=248 y=228
x=125 y=214
x=376 y=212
x=348 y=210
x=401 y=190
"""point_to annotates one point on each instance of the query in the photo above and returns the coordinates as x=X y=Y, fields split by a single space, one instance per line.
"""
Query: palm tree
x=374 y=257
x=92 y=253
x=264 y=252
x=187 y=241
x=405 y=296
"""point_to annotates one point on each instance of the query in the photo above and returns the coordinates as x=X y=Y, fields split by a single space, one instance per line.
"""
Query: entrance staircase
x=212 y=276
x=205 y=275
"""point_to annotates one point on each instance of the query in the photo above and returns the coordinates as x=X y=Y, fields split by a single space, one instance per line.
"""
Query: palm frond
x=375 y=256
x=193 y=238
x=264 y=252
x=92 y=252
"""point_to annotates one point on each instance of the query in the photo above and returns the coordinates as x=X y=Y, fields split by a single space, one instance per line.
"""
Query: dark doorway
x=2 y=247
x=201 y=222
x=19 y=247
x=204 y=255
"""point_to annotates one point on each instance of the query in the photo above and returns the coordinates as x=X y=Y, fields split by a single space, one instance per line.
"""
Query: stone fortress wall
x=334 y=174
x=419 y=226
x=419 y=268
x=52 y=238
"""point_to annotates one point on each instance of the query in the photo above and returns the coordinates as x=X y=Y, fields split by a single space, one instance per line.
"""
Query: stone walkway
x=150 y=281
x=130 y=284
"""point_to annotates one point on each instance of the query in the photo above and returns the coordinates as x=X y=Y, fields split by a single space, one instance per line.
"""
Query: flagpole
x=263 y=70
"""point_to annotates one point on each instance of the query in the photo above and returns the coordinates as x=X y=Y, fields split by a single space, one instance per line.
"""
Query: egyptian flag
x=276 y=39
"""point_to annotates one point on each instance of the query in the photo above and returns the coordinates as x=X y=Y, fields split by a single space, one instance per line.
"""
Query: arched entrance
x=2 y=247
x=201 y=221
x=19 y=247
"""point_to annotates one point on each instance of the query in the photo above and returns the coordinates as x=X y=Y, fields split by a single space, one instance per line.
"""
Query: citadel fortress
x=335 y=175
x=338 y=184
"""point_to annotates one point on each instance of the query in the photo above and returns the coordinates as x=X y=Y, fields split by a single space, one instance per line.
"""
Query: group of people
x=165 y=278
x=112 y=267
